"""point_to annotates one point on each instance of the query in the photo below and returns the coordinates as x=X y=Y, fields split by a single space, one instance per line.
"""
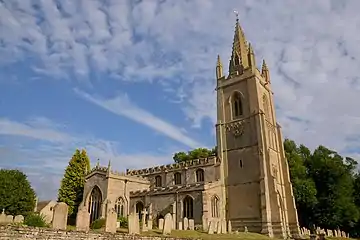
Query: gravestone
x=19 y=219
x=150 y=220
x=223 y=226
x=133 y=223
x=204 y=223
x=82 y=219
x=161 y=223
x=111 y=218
x=211 y=227
x=168 y=224
x=60 y=216
x=218 y=227
x=143 y=221
x=9 y=218
x=186 y=223
x=191 y=224
x=180 y=226
x=229 y=227
x=246 y=229
x=3 y=216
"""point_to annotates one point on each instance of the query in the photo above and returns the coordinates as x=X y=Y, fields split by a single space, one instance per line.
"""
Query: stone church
x=247 y=182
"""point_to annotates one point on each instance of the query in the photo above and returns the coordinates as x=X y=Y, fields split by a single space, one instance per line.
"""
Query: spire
x=239 y=56
x=251 y=57
x=265 y=71
x=219 y=68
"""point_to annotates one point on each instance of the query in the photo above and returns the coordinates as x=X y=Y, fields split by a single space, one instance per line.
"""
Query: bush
x=98 y=223
x=35 y=220
x=123 y=222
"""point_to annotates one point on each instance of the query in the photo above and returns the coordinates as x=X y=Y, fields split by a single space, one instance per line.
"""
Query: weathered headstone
x=205 y=223
x=19 y=219
x=9 y=218
x=223 y=226
x=180 y=226
x=168 y=224
x=246 y=229
x=229 y=227
x=335 y=233
x=150 y=219
x=161 y=223
x=211 y=227
x=111 y=218
x=60 y=216
x=191 y=224
x=82 y=219
x=143 y=221
x=3 y=216
x=218 y=227
x=186 y=223
x=133 y=223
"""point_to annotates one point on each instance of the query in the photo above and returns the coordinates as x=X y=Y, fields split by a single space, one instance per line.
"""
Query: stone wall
x=20 y=233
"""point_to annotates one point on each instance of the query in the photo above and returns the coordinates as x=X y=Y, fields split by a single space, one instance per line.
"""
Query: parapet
x=176 y=166
x=105 y=171
x=168 y=190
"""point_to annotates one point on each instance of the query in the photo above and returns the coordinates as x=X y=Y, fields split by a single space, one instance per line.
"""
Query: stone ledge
x=22 y=233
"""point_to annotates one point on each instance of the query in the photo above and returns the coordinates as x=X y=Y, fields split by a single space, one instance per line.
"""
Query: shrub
x=123 y=222
x=98 y=223
x=35 y=220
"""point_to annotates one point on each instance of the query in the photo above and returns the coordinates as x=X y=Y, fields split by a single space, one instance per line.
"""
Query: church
x=247 y=182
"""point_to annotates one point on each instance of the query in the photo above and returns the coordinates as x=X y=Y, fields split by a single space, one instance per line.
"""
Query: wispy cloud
x=45 y=162
x=122 y=106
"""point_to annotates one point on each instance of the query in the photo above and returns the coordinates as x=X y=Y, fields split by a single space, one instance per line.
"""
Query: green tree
x=194 y=154
x=16 y=194
x=72 y=184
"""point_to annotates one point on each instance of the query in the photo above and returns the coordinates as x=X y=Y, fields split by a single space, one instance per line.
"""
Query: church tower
x=255 y=172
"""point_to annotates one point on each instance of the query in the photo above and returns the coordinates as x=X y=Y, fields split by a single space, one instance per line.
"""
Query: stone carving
x=236 y=128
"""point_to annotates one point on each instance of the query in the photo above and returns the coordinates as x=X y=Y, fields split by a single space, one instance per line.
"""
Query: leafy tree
x=72 y=184
x=16 y=194
x=194 y=154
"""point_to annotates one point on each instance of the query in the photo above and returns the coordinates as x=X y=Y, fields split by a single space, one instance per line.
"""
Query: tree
x=17 y=196
x=72 y=184
x=194 y=154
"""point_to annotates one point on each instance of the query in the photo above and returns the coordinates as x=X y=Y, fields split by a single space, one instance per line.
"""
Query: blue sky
x=133 y=81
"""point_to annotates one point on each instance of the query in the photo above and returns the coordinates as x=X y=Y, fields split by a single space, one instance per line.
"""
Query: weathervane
x=236 y=14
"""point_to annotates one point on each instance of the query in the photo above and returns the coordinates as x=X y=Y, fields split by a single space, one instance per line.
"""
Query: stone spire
x=239 y=57
x=265 y=71
x=219 y=68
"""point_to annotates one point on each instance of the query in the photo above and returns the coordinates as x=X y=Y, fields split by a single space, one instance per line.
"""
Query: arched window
x=237 y=105
x=188 y=207
x=177 y=178
x=200 y=175
x=158 y=181
x=215 y=204
x=119 y=207
x=95 y=204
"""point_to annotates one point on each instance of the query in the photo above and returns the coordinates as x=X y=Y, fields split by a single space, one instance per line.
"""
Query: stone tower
x=255 y=172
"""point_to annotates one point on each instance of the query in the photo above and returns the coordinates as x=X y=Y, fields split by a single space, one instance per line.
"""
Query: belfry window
x=199 y=175
x=177 y=178
x=158 y=181
x=237 y=105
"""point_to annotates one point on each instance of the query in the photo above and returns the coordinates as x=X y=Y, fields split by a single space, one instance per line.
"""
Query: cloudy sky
x=133 y=81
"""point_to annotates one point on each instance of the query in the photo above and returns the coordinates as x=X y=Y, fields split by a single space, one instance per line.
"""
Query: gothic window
x=215 y=202
x=200 y=175
x=237 y=105
x=177 y=178
x=158 y=181
x=95 y=204
x=119 y=207
x=188 y=205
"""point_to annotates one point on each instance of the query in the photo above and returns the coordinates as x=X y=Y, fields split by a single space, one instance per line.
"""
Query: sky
x=133 y=81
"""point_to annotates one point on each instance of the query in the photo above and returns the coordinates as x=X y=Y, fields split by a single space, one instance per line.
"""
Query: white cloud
x=121 y=105
x=310 y=46
x=50 y=150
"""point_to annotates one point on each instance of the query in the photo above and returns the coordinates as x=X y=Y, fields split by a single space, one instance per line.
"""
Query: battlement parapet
x=168 y=189
x=175 y=166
